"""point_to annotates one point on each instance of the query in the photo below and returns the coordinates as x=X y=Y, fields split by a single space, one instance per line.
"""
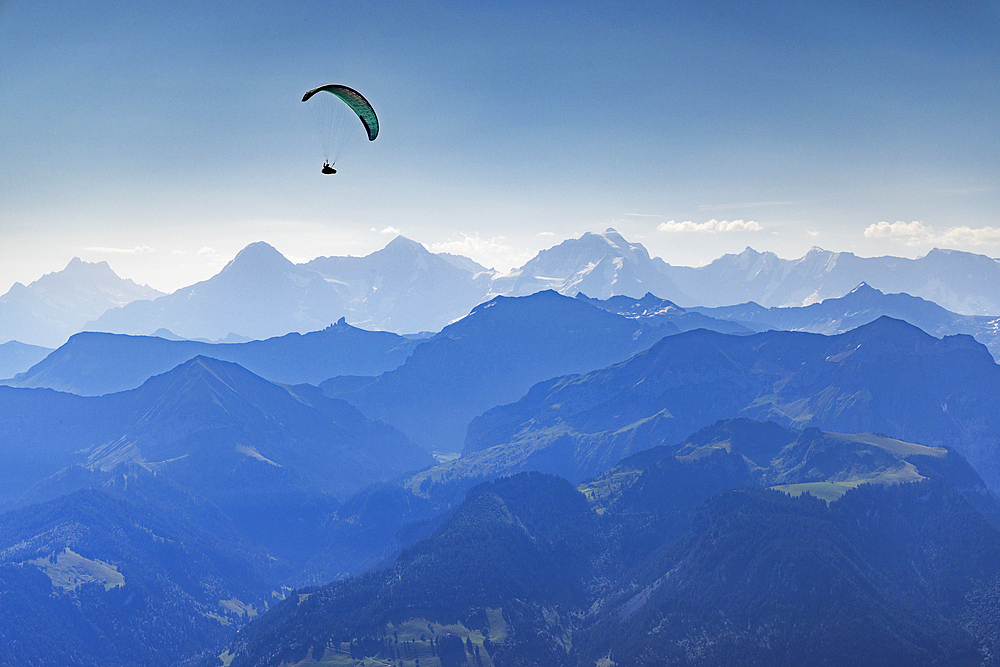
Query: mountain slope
x=886 y=376
x=883 y=576
x=516 y=547
x=602 y=265
x=136 y=573
x=488 y=358
x=57 y=305
x=962 y=282
x=210 y=426
x=404 y=287
x=524 y=574
x=860 y=306
x=90 y=364
x=259 y=294
x=17 y=357
x=654 y=310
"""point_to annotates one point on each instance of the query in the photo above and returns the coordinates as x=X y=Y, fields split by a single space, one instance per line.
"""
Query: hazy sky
x=165 y=136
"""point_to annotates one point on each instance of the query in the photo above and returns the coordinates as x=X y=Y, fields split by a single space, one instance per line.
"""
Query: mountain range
x=90 y=364
x=132 y=573
x=407 y=289
x=145 y=526
x=210 y=426
x=601 y=265
x=962 y=282
x=259 y=294
x=488 y=358
x=57 y=305
x=404 y=287
x=680 y=556
x=643 y=480
x=835 y=315
x=886 y=376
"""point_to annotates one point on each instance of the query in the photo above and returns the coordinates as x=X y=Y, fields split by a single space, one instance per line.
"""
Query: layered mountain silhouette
x=17 y=357
x=489 y=358
x=259 y=294
x=57 y=305
x=601 y=265
x=407 y=289
x=860 y=306
x=685 y=548
x=91 y=364
x=652 y=309
x=404 y=287
x=135 y=572
x=962 y=282
x=887 y=376
x=210 y=426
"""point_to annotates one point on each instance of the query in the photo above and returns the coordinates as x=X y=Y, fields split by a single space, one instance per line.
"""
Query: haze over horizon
x=165 y=137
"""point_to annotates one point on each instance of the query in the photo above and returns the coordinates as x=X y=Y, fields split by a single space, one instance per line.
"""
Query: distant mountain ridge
x=90 y=364
x=602 y=265
x=654 y=310
x=209 y=425
x=490 y=357
x=16 y=357
x=886 y=376
x=52 y=308
x=962 y=282
x=407 y=289
x=860 y=306
x=404 y=287
x=259 y=294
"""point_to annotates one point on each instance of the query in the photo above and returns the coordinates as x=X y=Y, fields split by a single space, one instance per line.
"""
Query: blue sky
x=163 y=137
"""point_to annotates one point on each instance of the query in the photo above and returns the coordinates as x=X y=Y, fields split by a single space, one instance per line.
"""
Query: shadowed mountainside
x=90 y=364
x=488 y=358
x=860 y=306
x=523 y=573
x=886 y=376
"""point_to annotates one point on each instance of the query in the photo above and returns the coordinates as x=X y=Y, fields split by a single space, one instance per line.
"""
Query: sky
x=163 y=137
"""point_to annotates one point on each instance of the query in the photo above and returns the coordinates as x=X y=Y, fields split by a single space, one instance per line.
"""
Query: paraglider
x=336 y=116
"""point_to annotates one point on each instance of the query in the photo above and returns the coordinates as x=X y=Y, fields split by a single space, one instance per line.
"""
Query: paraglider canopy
x=355 y=101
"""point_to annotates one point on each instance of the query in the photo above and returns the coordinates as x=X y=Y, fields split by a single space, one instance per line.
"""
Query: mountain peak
x=78 y=267
x=401 y=243
x=865 y=289
x=256 y=257
x=258 y=249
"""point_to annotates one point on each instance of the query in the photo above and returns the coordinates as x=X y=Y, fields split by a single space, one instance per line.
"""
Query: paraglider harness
x=327 y=169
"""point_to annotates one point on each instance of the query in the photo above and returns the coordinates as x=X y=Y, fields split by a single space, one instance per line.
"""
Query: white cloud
x=917 y=233
x=545 y=234
x=207 y=251
x=391 y=230
x=812 y=233
x=711 y=227
x=135 y=250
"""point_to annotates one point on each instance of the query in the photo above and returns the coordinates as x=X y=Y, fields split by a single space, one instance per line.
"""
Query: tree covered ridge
x=688 y=561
